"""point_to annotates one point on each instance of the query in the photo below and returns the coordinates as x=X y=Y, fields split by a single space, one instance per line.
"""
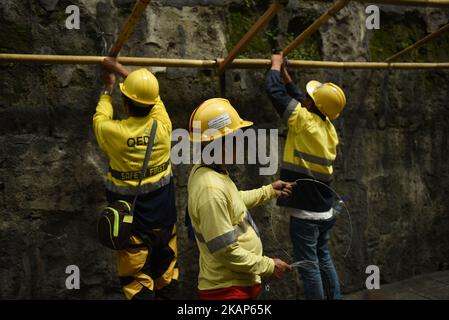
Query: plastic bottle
x=338 y=207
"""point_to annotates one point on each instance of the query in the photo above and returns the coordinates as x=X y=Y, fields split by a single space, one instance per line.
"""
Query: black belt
x=135 y=175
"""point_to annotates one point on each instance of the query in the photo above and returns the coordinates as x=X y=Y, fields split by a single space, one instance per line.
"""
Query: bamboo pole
x=340 y=4
x=255 y=29
x=130 y=24
x=419 y=43
x=213 y=64
x=309 y=64
x=131 y=61
x=414 y=3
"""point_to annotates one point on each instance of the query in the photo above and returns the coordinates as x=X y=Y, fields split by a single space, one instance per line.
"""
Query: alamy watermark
x=255 y=146
x=73 y=280
x=373 y=280
x=73 y=21
x=373 y=20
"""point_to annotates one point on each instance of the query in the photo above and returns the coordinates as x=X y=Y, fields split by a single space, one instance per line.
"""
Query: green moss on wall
x=393 y=36
x=311 y=49
x=238 y=23
x=436 y=50
x=308 y=50
x=241 y=18
x=400 y=31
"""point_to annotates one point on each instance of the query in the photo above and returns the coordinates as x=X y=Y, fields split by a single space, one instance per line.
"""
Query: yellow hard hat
x=218 y=114
x=141 y=86
x=328 y=97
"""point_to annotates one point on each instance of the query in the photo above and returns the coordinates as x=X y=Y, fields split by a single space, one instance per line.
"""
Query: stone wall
x=391 y=163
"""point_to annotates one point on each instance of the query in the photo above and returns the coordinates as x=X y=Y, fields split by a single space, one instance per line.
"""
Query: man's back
x=148 y=268
x=311 y=143
x=125 y=143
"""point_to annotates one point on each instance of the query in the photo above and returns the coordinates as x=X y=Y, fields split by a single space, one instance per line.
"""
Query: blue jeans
x=310 y=242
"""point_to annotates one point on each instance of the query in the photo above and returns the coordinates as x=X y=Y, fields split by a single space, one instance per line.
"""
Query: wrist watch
x=106 y=91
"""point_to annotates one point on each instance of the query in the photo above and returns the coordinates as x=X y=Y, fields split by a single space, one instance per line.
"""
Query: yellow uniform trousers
x=148 y=269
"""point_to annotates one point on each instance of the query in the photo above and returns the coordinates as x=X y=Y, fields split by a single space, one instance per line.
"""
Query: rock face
x=391 y=162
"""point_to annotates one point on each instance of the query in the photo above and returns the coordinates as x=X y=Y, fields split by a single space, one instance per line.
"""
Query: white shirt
x=310 y=215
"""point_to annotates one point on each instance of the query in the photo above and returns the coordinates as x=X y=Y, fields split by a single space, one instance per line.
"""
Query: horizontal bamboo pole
x=338 y=5
x=213 y=64
x=414 y=3
x=130 y=61
x=309 y=64
x=420 y=43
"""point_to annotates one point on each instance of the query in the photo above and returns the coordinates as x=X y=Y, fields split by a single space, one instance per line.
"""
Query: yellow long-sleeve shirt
x=230 y=248
x=125 y=141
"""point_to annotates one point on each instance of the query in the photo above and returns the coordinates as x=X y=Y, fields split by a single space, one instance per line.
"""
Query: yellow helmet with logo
x=328 y=97
x=217 y=114
x=141 y=86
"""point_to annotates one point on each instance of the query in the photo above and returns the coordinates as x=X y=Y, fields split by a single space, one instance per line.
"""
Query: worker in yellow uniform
x=148 y=268
x=310 y=149
x=231 y=263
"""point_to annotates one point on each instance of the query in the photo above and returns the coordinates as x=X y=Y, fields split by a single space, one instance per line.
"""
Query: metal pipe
x=419 y=43
x=213 y=64
x=259 y=25
x=130 y=24
x=340 y=4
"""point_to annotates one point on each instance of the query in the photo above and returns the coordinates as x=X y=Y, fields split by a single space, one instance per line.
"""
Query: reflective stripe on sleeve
x=313 y=174
x=290 y=108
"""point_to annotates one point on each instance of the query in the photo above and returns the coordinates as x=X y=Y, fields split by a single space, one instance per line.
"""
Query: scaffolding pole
x=412 y=3
x=340 y=4
x=213 y=64
x=419 y=43
x=130 y=24
x=255 y=29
